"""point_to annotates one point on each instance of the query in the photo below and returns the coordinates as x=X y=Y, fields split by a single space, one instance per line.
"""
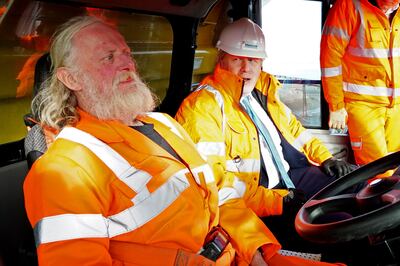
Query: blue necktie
x=268 y=139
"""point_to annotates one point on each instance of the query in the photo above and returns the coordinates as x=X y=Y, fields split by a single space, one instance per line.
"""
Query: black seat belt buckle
x=216 y=241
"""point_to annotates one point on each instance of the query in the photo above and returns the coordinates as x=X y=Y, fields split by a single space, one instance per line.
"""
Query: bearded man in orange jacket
x=121 y=186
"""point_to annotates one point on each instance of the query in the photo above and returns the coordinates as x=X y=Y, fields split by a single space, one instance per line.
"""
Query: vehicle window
x=293 y=31
x=25 y=31
x=207 y=34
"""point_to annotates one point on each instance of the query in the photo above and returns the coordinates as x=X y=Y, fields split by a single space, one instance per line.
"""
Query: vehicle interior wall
x=27 y=26
x=26 y=31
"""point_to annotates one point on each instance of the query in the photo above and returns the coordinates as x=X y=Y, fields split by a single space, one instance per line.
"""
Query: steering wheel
x=331 y=217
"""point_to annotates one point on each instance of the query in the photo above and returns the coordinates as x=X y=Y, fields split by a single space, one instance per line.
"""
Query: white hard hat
x=243 y=38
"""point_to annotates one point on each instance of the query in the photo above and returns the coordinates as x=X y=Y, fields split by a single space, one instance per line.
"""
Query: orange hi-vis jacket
x=226 y=136
x=360 y=55
x=104 y=194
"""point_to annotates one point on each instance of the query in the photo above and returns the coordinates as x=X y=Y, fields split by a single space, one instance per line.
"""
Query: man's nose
x=245 y=64
x=126 y=62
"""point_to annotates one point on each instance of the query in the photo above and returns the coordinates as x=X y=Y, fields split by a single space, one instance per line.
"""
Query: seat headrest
x=42 y=72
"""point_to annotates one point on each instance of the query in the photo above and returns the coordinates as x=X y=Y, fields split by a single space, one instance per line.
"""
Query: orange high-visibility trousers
x=374 y=131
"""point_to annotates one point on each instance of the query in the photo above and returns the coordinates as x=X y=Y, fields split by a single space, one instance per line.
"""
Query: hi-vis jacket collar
x=233 y=84
x=112 y=131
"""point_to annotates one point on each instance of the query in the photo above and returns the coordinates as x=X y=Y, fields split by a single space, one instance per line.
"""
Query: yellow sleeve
x=315 y=150
x=201 y=116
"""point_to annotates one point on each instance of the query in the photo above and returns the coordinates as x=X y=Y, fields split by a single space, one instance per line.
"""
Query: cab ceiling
x=187 y=8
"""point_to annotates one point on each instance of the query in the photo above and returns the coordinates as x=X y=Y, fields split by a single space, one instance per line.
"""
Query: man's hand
x=258 y=260
x=338 y=119
x=338 y=168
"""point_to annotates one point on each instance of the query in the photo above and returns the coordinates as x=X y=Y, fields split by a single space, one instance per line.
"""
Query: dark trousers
x=310 y=179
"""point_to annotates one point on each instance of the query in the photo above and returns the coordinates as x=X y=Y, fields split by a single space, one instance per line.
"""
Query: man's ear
x=68 y=79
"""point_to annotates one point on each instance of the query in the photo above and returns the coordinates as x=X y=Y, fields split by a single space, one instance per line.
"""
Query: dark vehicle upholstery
x=17 y=243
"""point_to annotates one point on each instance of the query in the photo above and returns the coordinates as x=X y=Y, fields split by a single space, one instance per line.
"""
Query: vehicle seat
x=35 y=141
x=17 y=245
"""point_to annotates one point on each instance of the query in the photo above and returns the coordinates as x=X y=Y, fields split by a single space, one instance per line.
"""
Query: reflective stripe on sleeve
x=370 y=53
x=288 y=112
x=331 y=71
x=356 y=144
x=70 y=226
x=335 y=31
x=239 y=186
x=370 y=90
x=227 y=193
x=243 y=165
x=220 y=101
x=138 y=215
x=302 y=140
x=211 y=148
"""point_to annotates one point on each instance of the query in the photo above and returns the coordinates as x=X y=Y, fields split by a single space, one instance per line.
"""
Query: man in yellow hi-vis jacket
x=360 y=65
x=119 y=185
x=230 y=117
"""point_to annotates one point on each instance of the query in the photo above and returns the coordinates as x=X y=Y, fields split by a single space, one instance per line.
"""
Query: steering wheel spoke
x=333 y=208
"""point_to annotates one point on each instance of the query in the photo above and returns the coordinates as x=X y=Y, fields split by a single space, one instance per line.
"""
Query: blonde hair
x=55 y=103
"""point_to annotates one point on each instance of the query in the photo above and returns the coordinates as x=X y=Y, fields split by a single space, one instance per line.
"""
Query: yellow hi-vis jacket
x=360 y=55
x=226 y=136
x=104 y=194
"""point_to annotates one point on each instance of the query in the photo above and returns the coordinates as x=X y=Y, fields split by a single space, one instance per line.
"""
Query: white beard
x=114 y=103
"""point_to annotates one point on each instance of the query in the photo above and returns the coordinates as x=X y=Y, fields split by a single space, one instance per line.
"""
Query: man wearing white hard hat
x=260 y=151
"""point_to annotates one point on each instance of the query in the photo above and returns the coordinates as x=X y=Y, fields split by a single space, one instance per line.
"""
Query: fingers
x=329 y=171
x=343 y=168
x=337 y=119
x=340 y=170
x=330 y=123
x=348 y=169
x=337 y=124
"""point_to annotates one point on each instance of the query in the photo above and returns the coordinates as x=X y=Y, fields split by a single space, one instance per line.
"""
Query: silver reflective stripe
x=395 y=52
x=76 y=226
x=374 y=52
x=355 y=144
x=134 y=178
x=331 y=71
x=369 y=52
x=163 y=119
x=211 y=148
x=243 y=165
x=239 y=186
x=138 y=215
x=227 y=193
x=335 y=31
x=288 y=112
x=361 y=51
x=220 y=101
x=302 y=140
x=70 y=226
x=370 y=90
x=147 y=205
x=207 y=172
x=362 y=28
